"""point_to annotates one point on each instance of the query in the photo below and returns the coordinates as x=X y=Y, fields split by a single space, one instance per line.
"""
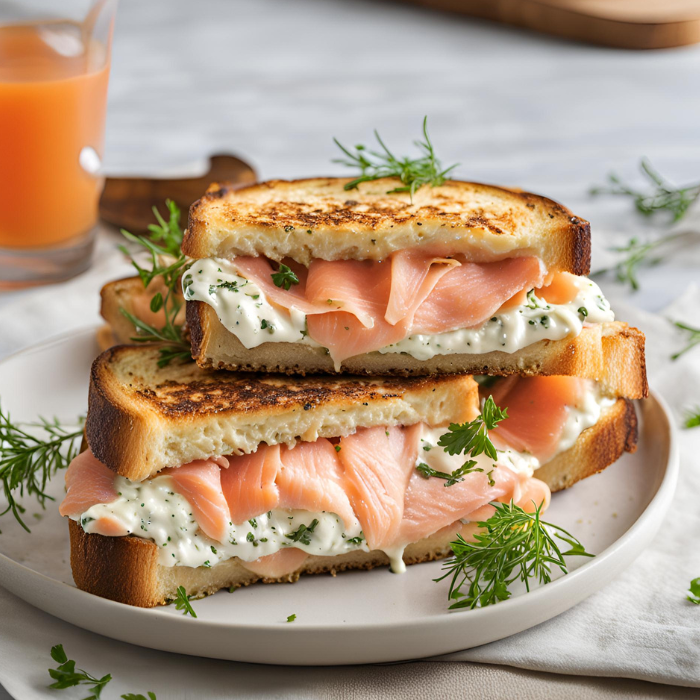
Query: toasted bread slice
x=128 y=294
x=143 y=418
x=318 y=218
x=611 y=353
x=126 y=569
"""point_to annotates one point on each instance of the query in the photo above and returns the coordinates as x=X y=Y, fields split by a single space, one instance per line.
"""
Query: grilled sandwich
x=305 y=277
x=206 y=479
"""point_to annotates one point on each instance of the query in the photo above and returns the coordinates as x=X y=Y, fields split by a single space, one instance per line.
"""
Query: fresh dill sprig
x=284 y=277
x=67 y=676
x=182 y=602
x=692 y=417
x=638 y=255
x=694 y=591
x=663 y=197
x=473 y=437
x=413 y=172
x=168 y=263
x=693 y=337
x=512 y=545
x=27 y=462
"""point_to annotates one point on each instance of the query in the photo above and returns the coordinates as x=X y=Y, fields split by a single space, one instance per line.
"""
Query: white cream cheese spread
x=154 y=511
x=242 y=308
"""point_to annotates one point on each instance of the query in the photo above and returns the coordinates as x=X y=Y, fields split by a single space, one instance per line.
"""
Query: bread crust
x=142 y=418
x=318 y=218
x=595 y=449
x=126 y=569
x=611 y=353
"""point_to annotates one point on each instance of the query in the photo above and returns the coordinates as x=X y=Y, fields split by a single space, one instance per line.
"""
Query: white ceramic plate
x=358 y=617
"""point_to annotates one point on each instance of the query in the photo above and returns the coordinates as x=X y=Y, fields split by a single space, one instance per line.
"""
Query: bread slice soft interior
x=142 y=418
x=611 y=353
x=319 y=218
x=126 y=569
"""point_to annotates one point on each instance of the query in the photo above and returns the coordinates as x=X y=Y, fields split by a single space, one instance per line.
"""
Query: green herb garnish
x=303 y=533
x=663 y=197
x=450 y=479
x=356 y=540
x=182 y=602
x=413 y=172
x=692 y=418
x=291 y=618
x=138 y=696
x=693 y=336
x=472 y=438
x=637 y=255
x=694 y=591
x=27 y=463
x=168 y=263
x=284 y=277
x=513 y=545
x=66 y=675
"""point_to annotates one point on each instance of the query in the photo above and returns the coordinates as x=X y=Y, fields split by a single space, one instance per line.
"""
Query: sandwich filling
x=416 y=303
x=362 y=492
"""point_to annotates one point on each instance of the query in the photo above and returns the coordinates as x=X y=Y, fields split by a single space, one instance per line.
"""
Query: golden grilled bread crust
x=611 y=353
x=116 y=295
x=596 y=448
x=142 y=418
x=318 y=218
x=126 y=569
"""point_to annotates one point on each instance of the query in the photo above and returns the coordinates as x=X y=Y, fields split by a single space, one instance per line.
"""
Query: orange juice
x=53 y=95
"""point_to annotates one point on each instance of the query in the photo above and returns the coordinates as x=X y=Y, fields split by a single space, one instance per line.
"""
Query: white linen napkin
x=640 y=626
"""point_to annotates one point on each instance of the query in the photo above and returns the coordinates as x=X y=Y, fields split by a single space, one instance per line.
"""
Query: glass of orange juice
x=53 y=99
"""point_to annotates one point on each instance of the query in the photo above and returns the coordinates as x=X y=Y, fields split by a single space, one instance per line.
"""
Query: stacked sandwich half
x=329 y=422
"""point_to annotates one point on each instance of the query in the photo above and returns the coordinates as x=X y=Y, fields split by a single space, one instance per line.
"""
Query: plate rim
x=648 y=521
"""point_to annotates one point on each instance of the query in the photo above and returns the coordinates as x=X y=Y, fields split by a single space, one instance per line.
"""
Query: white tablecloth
x=274 y=81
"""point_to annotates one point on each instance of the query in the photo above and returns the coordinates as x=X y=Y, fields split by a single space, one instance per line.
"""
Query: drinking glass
x=54 y=70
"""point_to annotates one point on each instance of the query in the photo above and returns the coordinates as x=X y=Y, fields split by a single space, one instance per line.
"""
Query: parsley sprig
x=182 y=602
x=663 y=196
x=284 y=277
x=513 y=545
x=692 y=335
x=168 y=263
x=473 y=437
x=66 y=675
x=413 y=172
x=28 y=462
x=694 y=591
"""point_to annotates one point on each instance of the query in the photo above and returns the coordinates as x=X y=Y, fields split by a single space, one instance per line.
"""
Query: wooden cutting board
x=627 y=24
x=127 y=202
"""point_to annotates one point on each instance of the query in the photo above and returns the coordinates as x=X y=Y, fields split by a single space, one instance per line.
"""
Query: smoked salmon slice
x=537 y=412
x=414 y=275
x=354 y=307
x=200 y=483
x=311 y=478
x=378 y=465
x=282 y=563
x=88 y=482
x=468 y=295
x=561 y=289
x=249 y=483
